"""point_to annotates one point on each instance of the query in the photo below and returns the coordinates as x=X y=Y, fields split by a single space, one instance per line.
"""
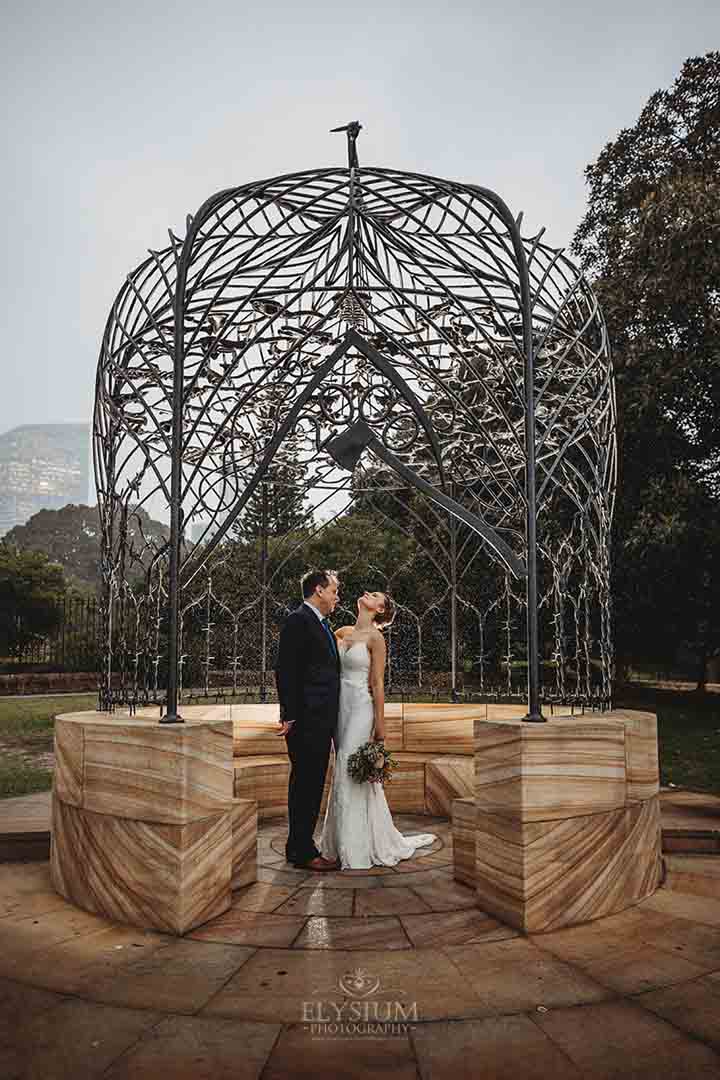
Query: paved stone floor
x=434 y=987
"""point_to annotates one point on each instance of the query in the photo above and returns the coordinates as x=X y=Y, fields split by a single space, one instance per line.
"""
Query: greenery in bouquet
x=371 y=763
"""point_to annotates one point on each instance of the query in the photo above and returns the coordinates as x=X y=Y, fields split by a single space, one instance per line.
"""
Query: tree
x=667 y=574
x=379 y=493
x=649 y=242
x=31 y=591
x=365 y=552
x=278 y=501
x=71 y=537
x=277 y=506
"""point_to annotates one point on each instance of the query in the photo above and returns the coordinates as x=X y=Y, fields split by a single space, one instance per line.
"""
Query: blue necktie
x=330 y=634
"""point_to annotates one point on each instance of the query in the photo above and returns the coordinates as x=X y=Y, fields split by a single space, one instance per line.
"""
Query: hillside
x=71 y=537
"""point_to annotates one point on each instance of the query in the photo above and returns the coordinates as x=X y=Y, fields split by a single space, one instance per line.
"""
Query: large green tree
x=649 y=241
x=31 y=592
x=667 y=575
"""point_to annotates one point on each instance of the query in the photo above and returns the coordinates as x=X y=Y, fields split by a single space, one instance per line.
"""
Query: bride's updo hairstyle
x=385 y=617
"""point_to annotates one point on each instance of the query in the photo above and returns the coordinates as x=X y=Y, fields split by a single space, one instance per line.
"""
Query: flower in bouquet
x=371 y=763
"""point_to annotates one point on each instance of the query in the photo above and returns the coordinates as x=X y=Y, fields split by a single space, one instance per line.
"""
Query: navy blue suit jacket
x=307 y=673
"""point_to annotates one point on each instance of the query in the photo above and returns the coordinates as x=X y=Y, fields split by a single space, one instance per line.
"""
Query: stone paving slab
x=179 y=977
x=516 y=976
x=28 y=893
x=280 y=984
x=499 y=1047
x=72 y=1039
x=262 y=896
x=197 y=1048
x=309 y=901
x=398 y=901
x=304 y=1058
x=237 y=927
x=615 y=1039
x=466 y=927
x=640 y=950
x=365 y=932
x=692 y=1007
x=695 y=874
x=685 y=905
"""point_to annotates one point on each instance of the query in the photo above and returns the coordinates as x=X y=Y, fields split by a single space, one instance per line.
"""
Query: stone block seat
x=146 y=828
x=565 y=823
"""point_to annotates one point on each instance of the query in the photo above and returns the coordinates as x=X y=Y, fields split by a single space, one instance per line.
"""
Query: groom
x=308 y=683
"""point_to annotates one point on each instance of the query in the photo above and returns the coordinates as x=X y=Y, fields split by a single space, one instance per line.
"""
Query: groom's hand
x=285 y=726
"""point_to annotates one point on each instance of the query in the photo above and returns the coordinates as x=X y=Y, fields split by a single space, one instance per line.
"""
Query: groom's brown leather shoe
x=320 y=864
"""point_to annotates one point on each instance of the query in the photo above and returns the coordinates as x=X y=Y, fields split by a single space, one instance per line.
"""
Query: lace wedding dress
x=358 y=827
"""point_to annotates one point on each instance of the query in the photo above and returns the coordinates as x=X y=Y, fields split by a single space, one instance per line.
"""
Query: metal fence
x=70 y=659
x=73 y=645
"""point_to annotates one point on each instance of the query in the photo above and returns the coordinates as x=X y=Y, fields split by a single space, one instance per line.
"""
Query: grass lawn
x=690 y=747
x=26 y=739
x=688 y=732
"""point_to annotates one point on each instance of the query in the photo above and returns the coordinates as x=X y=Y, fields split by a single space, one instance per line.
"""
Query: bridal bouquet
x=371 y=762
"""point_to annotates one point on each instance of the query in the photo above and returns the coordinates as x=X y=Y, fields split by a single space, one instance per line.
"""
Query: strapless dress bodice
x=355 y=663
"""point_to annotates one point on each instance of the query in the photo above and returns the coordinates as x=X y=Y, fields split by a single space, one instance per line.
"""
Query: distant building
x=42 y=467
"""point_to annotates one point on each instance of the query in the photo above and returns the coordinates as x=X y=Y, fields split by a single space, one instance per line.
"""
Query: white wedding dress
x=358 y=827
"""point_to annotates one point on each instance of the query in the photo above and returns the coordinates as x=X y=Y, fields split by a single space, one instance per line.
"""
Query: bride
x=358 y=828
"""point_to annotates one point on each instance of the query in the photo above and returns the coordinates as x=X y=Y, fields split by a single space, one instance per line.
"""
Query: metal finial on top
x=353 y=129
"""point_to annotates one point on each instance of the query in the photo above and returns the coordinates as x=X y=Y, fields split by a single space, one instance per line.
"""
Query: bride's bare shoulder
x=376 y=638
x=342 y=631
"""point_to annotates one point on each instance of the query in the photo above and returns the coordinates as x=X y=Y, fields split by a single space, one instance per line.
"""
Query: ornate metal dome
x=401 y=334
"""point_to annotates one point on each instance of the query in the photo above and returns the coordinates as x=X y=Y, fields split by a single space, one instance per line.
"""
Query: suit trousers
x=309 y=752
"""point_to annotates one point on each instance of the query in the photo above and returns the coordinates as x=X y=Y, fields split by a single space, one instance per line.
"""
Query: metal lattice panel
x=316 y=302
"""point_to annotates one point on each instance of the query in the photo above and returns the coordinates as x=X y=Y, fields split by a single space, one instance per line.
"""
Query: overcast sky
x=124 y=117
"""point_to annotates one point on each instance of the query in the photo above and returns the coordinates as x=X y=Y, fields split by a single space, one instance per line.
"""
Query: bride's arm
x=378 y=655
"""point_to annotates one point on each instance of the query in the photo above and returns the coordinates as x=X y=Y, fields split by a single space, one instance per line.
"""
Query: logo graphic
x=358 y=1008
x=358 y=983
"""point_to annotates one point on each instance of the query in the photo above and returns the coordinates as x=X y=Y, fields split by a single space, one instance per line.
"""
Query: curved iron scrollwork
x=474 y=360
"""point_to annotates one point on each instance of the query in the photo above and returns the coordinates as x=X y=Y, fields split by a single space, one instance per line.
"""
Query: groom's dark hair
x=310 y=580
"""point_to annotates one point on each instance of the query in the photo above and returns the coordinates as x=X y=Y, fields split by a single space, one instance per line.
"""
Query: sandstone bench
x=433 y=746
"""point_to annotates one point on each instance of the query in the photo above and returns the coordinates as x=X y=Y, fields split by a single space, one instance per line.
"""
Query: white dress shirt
x=317 y=610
